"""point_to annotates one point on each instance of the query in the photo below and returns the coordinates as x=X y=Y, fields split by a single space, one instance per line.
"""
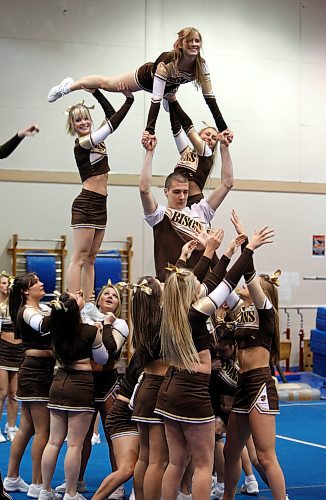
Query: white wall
x=267 y=61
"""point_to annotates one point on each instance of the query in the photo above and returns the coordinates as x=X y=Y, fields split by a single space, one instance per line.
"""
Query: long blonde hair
x=177 y=346
x=187 y=34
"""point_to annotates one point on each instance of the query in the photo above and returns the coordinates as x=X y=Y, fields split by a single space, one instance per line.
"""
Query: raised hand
x=261 y=237
x=31 y=130
x=214 y=239
x=236 y=222
x=187 y=249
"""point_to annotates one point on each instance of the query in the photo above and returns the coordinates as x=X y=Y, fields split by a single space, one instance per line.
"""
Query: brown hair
x=187 y=34
x=175 y=176
x=270 y=290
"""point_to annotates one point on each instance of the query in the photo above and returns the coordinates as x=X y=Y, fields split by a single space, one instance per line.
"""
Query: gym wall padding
x=45 y=268
x=108 y=265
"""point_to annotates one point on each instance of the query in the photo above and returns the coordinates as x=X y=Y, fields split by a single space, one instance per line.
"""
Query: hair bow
x=57 y=303
x=273 y=278
x=70 y=108
x=174 y=269
x=141 y=286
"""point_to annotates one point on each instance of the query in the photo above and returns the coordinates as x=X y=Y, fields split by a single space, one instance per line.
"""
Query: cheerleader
x=163 y=77
x=31 y=321
x=11 y=357
x=183 y=399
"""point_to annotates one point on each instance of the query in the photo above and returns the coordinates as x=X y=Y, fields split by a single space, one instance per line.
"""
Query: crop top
x=90 y=150
x=130 y=378
x=255 y=327
x=114 y=337
x=33 y=327
x=167 y=79
x=196 y=161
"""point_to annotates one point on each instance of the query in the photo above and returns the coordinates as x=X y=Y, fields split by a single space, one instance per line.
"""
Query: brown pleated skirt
x=145 y=399
x=256 y=389
x=11 y=355
x=184 y=397
x=72 y=390
x=35 y=378
x=89 y=210
x=118 y=422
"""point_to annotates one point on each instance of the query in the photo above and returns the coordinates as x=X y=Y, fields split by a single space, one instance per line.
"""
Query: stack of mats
x=318 y=342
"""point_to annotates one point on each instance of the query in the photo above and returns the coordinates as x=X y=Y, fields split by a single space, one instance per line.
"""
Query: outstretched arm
x=113 y=119
x=219 y=193
x=148 y=201
x=8 y=147
x=211 y=101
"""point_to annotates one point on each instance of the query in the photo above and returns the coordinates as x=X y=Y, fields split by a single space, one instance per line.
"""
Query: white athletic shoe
x=183 y=496
x=96 y=439
x=7 y=427
x=34 y=490
x=132 y=495
x=118 y=494
x=49 y=495
x=60 y=90
x=81 y=487
x=250 y=487
x=78 y=496
x=92 y=312
x=15 y=484
x=11 y=433
x=217 y=491
x=2 y=438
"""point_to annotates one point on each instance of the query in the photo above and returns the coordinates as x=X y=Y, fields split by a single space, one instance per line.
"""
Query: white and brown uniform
x=36 y=372
x=106 y=377
x=71 y=389
x=11 y=354
x=163 y=77
x=118 y=422
x=196 y=160
x=89 y=208
x=172 y=229
x=184 y=396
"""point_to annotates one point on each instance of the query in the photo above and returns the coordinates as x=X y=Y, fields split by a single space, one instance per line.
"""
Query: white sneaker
x=2 y=438
x=250 y=487
x=60 y=90
x=81 y=487
x=6 y=427
x=96 y=439
x=49 y=495
x=118 y=494
x=217 y=491
x=92 y=312
x=11 y=433
x=15 y=484
x=34 y=490
x=183 y=496
x=78 y=496
x=132 y=495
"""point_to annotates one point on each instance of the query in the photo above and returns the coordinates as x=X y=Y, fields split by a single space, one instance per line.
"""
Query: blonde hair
x=187 y=34
x=177 y=346
x=117 y=312
x=270 y=290
x=76 y=111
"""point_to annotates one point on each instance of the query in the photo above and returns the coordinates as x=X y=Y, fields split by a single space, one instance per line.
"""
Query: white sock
x=250 y=478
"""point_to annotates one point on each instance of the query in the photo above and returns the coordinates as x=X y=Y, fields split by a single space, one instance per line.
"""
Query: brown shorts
x=145 y=398
x=89 y=210
x=35 y=378
x=118 y=422
x=184 y=397
x=72 y=390
x=11 y=355
x=105 y=384
x=144 y=77
x=256 y=389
